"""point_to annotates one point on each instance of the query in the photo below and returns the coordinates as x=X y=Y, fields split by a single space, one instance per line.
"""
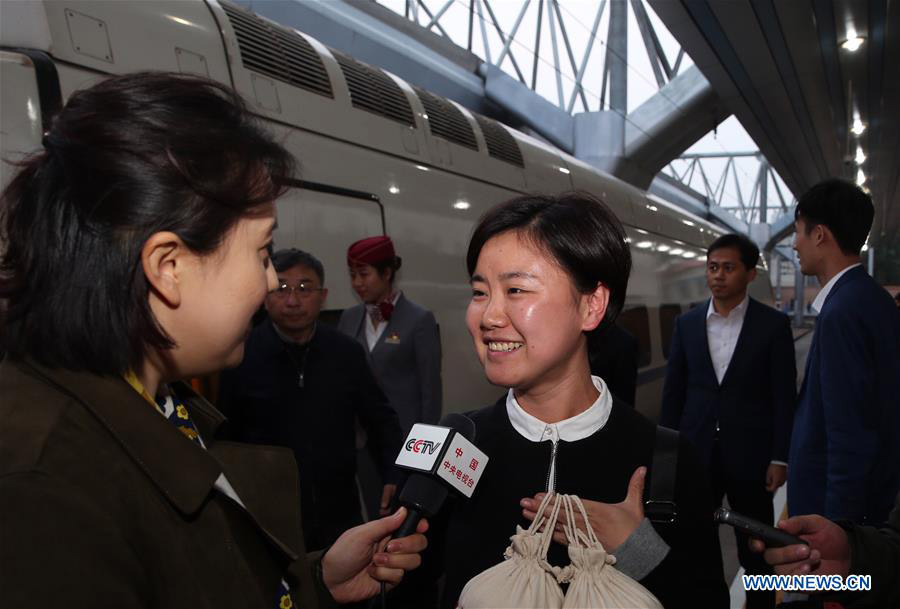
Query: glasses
x=303 y=290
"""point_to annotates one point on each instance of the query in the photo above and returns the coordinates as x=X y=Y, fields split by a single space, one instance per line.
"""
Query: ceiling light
x=688 y=222
x=860 y=156
x=663 y=248
x=652 y=208
x=422 y=167
x=642 y=231
x=853 y=41
x=676 y=252
x=689 y=255
x=860 y=177
x=644 y=244
x=858 y=126
x=462 y=205
x=564 y=170
x=393 y=189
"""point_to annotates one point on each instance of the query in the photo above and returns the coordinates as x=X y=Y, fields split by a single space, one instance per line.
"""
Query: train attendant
x=546 y=273
x=400 y=337
x=135 y=253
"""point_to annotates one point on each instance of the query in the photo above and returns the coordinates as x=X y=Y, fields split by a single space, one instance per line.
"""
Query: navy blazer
x=754 y=405
x=845 y=450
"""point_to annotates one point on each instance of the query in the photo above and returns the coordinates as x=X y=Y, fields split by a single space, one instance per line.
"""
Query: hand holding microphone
x=442 y=457
x=354 y=568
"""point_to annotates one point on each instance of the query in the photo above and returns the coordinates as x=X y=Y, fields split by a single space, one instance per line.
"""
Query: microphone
x=442 y=457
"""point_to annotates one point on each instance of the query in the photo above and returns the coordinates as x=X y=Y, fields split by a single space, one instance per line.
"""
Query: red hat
x=370 y=250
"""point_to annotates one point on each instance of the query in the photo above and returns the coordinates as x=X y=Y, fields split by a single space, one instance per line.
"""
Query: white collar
x=739 y=311
x=572 y=429
x=819 y=301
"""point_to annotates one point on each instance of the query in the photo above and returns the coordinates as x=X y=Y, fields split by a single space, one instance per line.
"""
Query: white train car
x=425 y=168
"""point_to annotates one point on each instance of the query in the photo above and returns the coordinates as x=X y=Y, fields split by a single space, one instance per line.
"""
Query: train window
x=637 y=321
x=667 y=315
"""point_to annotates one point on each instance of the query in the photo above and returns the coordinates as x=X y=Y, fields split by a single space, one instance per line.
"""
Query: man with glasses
x=302 y=385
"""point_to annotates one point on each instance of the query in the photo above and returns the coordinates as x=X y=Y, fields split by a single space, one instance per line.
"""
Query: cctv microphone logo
x=422 y=446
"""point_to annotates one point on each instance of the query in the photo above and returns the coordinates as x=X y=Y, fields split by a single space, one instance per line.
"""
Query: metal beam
x=533 y=110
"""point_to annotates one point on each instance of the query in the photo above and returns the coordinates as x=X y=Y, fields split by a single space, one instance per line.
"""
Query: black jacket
x=266 y=405
x=598 y=468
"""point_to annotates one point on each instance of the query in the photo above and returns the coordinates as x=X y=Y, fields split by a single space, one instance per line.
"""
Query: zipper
x=551 y=472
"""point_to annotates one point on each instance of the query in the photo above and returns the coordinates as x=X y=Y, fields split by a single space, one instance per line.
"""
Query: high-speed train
x=376 y=155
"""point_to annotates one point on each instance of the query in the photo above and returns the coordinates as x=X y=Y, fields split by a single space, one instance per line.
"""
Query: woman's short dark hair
x=392 y=264
x=124 y=159
x=288 y=258
x=577 y=230
x=843 y=207
x=747 y=250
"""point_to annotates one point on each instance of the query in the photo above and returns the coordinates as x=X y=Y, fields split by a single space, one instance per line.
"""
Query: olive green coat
x=104 y=503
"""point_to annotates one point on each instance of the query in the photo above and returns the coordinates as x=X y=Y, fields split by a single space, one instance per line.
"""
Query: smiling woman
x=547 y=274
x=135 y=253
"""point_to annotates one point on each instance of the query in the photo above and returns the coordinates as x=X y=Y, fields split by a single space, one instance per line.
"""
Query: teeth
x=495 y=346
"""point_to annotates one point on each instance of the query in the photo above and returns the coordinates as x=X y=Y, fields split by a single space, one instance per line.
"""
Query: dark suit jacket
x=104 y=503
x=265 y=405
x=845 y=450
x=406 y=359
x=613 y=357
x=753 y=406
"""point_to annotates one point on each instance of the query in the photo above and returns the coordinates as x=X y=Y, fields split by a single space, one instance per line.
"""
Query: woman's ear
x=163 y=261
x=595 y=307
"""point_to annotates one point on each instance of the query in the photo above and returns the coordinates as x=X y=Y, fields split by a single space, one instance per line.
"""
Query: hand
x=775 y=476
x=386 y=495
x=828 y=552
x=613 y=523
x=364 y=556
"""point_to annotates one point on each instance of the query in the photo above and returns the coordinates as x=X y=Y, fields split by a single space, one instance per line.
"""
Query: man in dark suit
x=730 y=389
x=845 y=449
x=303 y=385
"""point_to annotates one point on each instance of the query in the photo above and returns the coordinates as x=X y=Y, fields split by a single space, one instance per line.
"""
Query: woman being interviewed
x=136 y=252
x=546 y=272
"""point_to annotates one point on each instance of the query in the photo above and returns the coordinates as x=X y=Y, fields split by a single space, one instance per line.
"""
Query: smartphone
x=772 y=537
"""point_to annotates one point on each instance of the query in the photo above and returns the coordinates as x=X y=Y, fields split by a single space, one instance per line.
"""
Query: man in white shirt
x=845 y=447
x=730 y=389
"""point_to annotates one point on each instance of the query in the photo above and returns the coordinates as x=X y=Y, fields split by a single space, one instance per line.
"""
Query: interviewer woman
x=136 y=252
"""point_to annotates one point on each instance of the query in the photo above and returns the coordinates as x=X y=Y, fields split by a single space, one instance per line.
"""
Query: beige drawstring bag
x=595 y=582
x=525 y=580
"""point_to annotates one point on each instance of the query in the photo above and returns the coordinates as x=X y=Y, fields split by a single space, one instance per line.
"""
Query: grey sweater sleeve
x=641 y=552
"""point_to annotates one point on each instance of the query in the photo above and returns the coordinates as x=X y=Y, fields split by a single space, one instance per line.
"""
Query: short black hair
x=285 y=259
x=748 y=250
x=843 y=207
x=126 y=158
x=578 y=230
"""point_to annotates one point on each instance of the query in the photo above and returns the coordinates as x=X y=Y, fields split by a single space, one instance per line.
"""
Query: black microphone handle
x=410 y=523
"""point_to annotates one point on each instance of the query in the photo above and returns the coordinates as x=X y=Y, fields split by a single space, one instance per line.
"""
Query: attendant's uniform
x=405 y=354
x=592 y=455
